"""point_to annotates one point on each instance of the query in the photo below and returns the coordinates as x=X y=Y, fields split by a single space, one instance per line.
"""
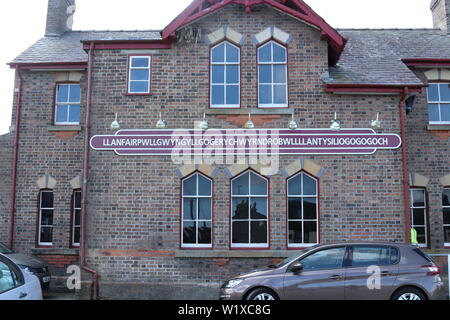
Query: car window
x=4 y=249
x=331 y=258
x=365 y=256
x=8 y=279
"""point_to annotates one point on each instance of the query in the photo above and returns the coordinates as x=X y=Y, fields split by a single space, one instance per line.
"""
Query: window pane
x=279 y=94
x=418 y=198
x=218 y=95
x=204 y=232
x=295 y=232
x=446 y=198
x=265 y=94
x=74 y=113
x=447 y=216
x=218 y=74
x=295 y=208
x=77 y=202
x=189 y=209
x=445 y=92
x=309 y=186
x=232 y=74
x=7 y=279
x=295 y=185
x=367 y=256
x=218 y=53
x=232 y=53
x=258 y=185
x=189 y=232
x=77 y=217
x=204 y=209
x=143 y=62
x=265 y=53
x=309 y=208
x=419 y=217
x=265 y=74
x=279 y=53
x=190 y=186
x=139 y=87
x=310 y=232
x=324 y=259
x=420 y=234
x=232 y=95
x=62 y=93
x=258 y=208
x=46 y=199
x=74 y=93
x=76 y=235
x=433 y=94
x=433 y=112
x=279 y=73
x=240 y=185
x=62 y=113
x=204 y=186
x=258 y=232
x=240 y=232
x=447 y=234
x=46 y=234
x=445 y=112
x=140 y=75
x=240 y=209
x=47 y=217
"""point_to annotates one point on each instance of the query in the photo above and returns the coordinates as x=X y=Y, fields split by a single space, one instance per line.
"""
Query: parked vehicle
x=29 y=263
x=17 y=284
x=350 y=271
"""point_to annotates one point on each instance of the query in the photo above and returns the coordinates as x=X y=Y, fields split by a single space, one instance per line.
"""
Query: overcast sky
x=22 y=22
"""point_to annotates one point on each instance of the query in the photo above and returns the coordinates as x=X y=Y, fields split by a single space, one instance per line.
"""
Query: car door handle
x=336 y=277
x=23 y=295
x=386 y=273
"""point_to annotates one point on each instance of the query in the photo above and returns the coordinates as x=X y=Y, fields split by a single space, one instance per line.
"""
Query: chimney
x=59 y=17
x=441 y=14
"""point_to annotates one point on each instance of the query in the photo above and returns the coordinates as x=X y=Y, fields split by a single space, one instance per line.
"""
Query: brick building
x=140 y=222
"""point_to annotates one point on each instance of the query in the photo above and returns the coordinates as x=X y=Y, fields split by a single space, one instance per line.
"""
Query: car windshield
x=4 y=249
x=293 y=257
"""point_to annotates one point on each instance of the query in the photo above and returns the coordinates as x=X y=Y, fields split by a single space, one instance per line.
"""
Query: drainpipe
x=402 y=109
x=83 y=264
x=14 y=162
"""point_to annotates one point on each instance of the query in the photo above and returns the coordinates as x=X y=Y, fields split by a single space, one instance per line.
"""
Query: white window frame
x=446 y=244
x=424 y=207
x=40 y=243
x=197 y=197
x=68 y=102
x=225 y=64
x=131 y=68
x=249 y=220
x=273 y=84
x=74 y=225
x=302 y=196
x=438 y=103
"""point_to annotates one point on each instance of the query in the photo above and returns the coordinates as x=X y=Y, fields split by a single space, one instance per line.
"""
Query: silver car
x=348 y=271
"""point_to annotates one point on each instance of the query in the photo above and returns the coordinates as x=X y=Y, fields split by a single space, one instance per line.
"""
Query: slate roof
x=68 y=47
x=374 y=56
x=370 y=57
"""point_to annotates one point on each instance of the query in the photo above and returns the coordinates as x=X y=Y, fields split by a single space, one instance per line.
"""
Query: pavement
x=53 y=295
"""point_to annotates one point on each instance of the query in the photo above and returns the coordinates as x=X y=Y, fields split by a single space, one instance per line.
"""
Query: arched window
x=272 y=76
x=46 y=210
x=196 y=212
x=225 y=76
x=302 y=210
x=446 y=213
x=249 y=211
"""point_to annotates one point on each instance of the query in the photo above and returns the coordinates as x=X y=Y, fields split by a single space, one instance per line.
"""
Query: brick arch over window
x=46 y=182
x=417 y=180
x=270 y=34
x=224 y=33
x=302 y=164
x=205 y=169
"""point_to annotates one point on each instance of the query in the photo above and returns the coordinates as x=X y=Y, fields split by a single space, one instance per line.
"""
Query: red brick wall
x=6 y=142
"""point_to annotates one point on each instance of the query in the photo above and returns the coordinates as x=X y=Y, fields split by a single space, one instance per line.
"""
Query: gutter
x=15 y=159
x=83 y=264
x=402 y=110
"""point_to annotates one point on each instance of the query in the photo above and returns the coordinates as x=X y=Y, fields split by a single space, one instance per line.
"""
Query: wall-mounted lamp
x=115 y=125
x=376 y=124
x=335 y=124
x=293 y=124
x=161 y=124
x=249 y=124
x=204 y=123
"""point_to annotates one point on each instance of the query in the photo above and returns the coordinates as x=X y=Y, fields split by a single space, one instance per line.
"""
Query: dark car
x=350 y=271
x=29 y=263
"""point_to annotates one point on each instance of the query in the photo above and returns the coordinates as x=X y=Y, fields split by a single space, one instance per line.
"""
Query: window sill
x=233 y=254
x=438 y=127
x=54 y=251
x=60 y=128
x=138 y=94
x=253 y=111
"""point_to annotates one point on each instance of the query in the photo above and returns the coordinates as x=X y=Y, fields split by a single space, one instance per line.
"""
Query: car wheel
x=409 y=294
x=262 y=294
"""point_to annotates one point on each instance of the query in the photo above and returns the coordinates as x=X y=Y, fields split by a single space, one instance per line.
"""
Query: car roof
x=396 y=244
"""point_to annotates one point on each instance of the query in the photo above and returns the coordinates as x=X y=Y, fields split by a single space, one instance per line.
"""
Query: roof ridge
x=93 y=31
x=388 y=29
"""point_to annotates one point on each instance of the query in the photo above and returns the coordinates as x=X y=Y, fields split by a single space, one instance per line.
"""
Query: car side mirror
x=297 y=267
